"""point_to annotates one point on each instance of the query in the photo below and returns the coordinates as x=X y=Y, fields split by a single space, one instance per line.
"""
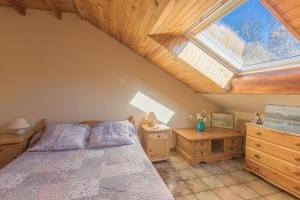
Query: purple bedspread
x=115 y=173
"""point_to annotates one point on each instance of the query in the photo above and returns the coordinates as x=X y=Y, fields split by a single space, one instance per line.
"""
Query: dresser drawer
x=269 y=135
x=233 y=149
x=290 y=184
x=202 y=153
x=232 y=142
x=282 y=166
x=202 y=145
x=278 y=151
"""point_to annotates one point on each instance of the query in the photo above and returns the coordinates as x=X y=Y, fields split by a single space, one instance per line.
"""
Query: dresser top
x=208 y=134
x=12 y=138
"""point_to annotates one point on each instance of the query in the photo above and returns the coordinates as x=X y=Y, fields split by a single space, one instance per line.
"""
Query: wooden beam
x=52 y=5
x=275 y=82
x=279 y=16
x=18 y=6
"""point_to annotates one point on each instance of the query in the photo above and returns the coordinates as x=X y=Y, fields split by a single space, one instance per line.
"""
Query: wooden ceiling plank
x=281 y=18
x=287 y=5
x=80 y=6
x=18 y=6
x=52 y=5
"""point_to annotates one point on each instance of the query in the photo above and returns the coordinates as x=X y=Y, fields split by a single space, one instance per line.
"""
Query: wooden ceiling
x=134 y=22
x=288 y=12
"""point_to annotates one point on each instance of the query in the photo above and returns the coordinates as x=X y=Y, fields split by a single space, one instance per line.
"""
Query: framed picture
x=284 y=118
x=222 y=120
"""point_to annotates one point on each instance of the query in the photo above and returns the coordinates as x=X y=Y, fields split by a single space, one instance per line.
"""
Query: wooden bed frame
x=42 y=124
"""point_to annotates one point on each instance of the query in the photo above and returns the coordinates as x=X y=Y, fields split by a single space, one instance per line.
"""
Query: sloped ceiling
x=133 y=22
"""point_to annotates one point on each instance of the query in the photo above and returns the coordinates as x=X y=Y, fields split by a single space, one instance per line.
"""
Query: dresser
x=275 y=156
x=156 y=142
x=214 y=144
x=12 y=145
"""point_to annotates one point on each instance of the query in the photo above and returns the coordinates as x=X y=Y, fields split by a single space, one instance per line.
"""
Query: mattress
x=115 y=173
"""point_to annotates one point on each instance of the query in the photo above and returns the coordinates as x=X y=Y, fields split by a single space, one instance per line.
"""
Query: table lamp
x=151 y=119
x=19 y=125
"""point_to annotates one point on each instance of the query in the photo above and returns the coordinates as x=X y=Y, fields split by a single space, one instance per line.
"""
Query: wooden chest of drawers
x=156 y=142
x=213 y=145
x=275 y=156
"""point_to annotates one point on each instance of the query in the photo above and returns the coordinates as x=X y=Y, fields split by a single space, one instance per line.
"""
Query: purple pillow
x=63 y=137
x=114 y=133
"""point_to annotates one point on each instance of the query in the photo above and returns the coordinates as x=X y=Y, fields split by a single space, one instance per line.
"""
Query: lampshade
x=151 y=116
x=19 y=124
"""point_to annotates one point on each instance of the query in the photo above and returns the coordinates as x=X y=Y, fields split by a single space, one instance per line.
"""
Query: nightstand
x=12 y=145
x=156 y=142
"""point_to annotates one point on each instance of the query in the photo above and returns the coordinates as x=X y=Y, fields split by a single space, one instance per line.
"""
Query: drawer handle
x=258 y=145
x=232 y=141
x=258 y=133
x=257 y=156
x=158 y=136
x=150 y=150
x=257 y=169
x=297 y=159
x=298 y=144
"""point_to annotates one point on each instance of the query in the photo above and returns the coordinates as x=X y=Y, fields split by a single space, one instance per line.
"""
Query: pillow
x=63 y=137
x=115 y=133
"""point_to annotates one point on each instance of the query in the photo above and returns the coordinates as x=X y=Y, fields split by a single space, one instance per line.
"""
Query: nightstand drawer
x=8 y=153
x=157 y=136
x=202 y=153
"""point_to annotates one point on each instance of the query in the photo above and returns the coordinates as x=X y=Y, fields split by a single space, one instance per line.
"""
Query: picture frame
x=282 y=117
x=222 y=120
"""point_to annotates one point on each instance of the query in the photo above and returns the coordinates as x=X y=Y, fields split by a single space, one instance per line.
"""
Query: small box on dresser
x=275 y=156
x=12 y=145
x=156 y=142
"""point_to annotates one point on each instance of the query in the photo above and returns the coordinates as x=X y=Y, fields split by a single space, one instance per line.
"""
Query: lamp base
x=20 y=131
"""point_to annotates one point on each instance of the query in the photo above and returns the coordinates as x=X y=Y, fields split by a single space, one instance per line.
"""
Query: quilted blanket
x=115 y=173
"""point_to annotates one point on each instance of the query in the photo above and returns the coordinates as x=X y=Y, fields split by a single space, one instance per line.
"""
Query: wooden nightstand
x=12 y=145
x=156 y=142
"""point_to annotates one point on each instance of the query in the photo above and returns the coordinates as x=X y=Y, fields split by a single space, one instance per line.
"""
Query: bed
x=113 y=173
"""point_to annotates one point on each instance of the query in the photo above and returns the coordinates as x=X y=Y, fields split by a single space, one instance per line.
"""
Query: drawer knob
x=232 y=141
x=257 y=145
x=258 y=133
x=298 y=144
x=158 y=136
x=257 y=169
x=297 y=159
x=257 y=156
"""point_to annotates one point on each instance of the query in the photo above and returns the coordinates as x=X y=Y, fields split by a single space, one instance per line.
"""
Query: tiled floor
x=216 y=181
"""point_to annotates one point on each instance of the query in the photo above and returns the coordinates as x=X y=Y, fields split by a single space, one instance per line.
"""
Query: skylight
x=250 y=37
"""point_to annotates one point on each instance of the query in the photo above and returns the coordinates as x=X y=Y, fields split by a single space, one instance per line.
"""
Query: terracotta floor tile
x=226 y=193
x=228 y=179
x=212 y=182
x=179 y=188
x=262 y=187
x=280 y=196
x=186 y=197
x=179 y=165
x=243 y=176
x=244 y=191
x=227 y=167
x=170 y=176
x=186 y=174
x=207 y=195
x=201 y=172
x=196 y=185
x=213 y=169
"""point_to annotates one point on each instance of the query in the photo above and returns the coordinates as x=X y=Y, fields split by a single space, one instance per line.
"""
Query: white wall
x=67 y=70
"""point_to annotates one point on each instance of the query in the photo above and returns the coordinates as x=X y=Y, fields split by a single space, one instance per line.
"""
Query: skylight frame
x=231 y=61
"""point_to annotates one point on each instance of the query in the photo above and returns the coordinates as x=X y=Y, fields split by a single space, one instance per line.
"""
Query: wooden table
x=212 y=145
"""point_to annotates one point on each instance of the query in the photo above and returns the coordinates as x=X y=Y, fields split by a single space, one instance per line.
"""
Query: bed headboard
x=131 y=119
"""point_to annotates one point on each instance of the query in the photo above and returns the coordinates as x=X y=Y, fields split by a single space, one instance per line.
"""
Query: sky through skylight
x=251 y=35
